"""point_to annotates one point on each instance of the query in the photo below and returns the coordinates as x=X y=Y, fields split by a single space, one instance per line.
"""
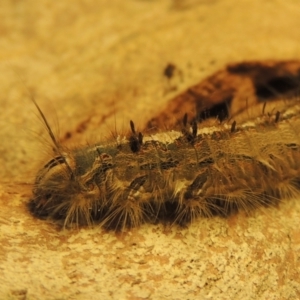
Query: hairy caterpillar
x=195 y=172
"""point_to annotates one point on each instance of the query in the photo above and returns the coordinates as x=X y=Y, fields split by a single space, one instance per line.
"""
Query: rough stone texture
x=103 y=62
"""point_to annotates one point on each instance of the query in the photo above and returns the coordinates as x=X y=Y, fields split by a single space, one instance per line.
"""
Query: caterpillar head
x=72 y=187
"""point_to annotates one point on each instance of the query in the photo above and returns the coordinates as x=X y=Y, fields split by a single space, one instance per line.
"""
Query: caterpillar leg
x=232 y=184
x=129 y=207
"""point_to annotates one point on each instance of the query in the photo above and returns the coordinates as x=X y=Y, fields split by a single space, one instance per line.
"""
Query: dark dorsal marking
x=190 y=136
x=233 y=126
x=277 y=116
x=135 y=140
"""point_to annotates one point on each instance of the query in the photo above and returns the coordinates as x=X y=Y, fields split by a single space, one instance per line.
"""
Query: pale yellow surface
x=104 y=60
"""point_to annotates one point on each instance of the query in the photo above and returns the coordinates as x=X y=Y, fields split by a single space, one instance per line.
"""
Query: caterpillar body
x=175 y=176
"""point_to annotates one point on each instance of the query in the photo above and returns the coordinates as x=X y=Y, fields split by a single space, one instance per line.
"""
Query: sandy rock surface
x=101 y=63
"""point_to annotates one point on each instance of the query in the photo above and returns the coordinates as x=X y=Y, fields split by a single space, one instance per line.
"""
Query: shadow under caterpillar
x=178 y=178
